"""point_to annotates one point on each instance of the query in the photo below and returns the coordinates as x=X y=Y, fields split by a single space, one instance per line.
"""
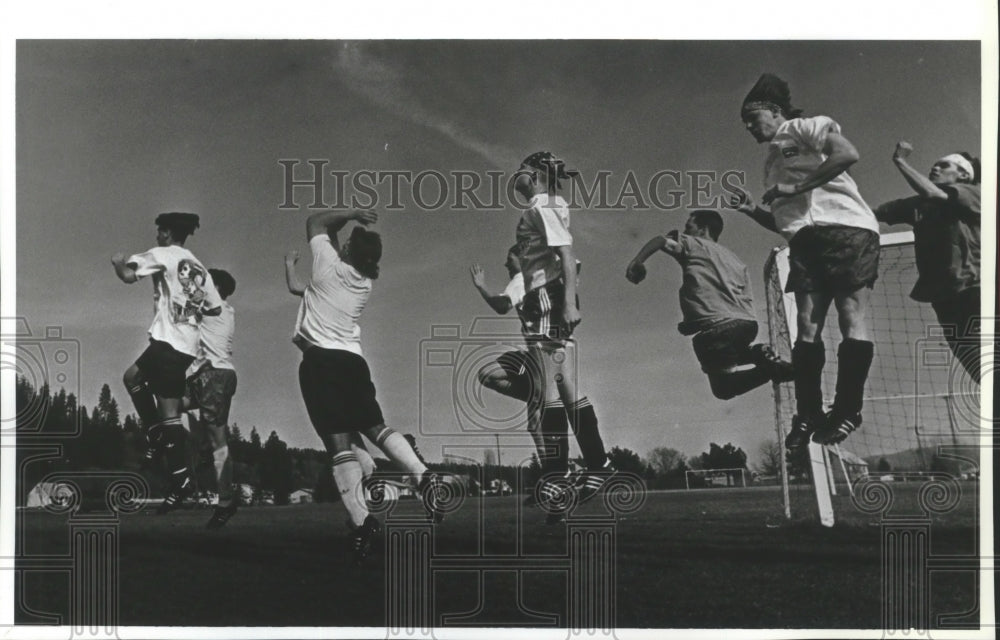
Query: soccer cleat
x=589 y=483
x=549 y=491
x=801 y=433
x=837 y=429
x=221 y=515
x=779 y=370
x=432 y=494
x=175 y=498
x=360 y=538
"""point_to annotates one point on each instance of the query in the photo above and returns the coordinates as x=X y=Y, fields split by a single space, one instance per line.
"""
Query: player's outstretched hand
x=366 y=216
x=292 y=257
x=903 y=150
x=478 y=275
x=636 y=272
x=779 y=190
x=742 y=201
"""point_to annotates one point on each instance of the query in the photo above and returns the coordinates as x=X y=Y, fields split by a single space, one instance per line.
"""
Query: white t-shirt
x=182 y=291
x=332 y=303
x=544 y=225
x=795 y=151
x=215 y=343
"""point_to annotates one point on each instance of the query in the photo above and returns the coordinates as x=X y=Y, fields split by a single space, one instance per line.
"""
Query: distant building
x=300 y=496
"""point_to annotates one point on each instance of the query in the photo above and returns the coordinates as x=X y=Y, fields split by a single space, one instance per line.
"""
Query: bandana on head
x=183 y=222
x=962 y=162
x=770 y=92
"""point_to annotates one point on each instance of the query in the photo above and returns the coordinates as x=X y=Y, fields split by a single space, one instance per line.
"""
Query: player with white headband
x=945 y=216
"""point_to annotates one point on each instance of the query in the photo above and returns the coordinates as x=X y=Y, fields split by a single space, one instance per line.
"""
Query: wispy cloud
x=383 y=85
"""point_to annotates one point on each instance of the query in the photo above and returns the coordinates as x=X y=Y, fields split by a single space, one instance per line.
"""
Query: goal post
x=715 y=478
x=917 y=397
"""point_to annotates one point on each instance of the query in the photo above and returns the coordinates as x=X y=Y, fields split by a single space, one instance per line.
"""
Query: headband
x=962 y=162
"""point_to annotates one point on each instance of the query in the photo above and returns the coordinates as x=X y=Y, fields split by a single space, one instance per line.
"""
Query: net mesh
x=917 y=398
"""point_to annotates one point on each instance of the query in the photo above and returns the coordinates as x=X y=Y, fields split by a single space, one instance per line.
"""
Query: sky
x=110 y=133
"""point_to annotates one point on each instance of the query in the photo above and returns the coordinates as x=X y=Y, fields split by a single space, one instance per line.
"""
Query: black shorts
x=211 y=390
x=338 y=391
x=163 y=369
x=542 y=314
x=725 y=345
x=832 y=259
x=515 y=363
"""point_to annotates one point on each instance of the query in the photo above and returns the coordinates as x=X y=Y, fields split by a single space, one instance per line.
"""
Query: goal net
x=919 y=401
x=715 y=478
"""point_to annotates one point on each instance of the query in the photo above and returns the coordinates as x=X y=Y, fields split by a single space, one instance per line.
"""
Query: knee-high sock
x=808 y=359
x=730 y=384
x=223 y=474
x=583 y=420
x=174 y=440
x=347 y=474
x=555 y=437
x=854 y=359
x=364 y=458
x=399 y=451
x=145 y=404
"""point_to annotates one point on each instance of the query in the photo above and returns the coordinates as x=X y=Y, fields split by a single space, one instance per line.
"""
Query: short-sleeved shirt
x=794 y=153
x=716 y=285
x=182 y=291
x=332 y=302
x=543 y=226
x=215 y=342
x=946 y=238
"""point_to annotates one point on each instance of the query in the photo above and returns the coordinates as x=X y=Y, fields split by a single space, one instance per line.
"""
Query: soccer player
x=717 y=306
x=515 y=373
x=211 y=383
x=945 y=216
x=334 y=376
x=183 y=294
x=833 y=240
x=297 y=288
x=550 y=315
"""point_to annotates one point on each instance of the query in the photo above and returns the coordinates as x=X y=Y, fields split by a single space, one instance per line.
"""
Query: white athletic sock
x=223 y=474
x=347 y=474
x=399 y=451
x=364 y=458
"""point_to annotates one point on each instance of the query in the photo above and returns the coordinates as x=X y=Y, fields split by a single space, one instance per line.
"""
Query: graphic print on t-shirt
x=192 y=278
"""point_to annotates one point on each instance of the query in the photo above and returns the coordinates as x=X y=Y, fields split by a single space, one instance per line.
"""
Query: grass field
x=718 y=558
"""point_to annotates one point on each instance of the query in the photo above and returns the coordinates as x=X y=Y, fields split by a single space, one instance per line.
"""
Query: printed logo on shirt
x=192 y=278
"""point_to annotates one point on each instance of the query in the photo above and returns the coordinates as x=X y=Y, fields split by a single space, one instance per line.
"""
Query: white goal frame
x=707 y=472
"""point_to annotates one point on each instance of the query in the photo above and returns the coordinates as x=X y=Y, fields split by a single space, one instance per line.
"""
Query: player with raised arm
x=211 y=384
x=183 y=294
x=334 y=377
x=550 y=315
x=514 y=373
x=833 y=240
x=717 y=306
x=297 y=287
x=945 y=216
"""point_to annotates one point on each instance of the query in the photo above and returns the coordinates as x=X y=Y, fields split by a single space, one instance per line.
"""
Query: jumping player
x=297 y=288
x=833 y=240
x=183 y=294
x=514 y=373
x=211 y=383
x=717 y=306
x=334 y=377
x=945 y=216
x=550 y=315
